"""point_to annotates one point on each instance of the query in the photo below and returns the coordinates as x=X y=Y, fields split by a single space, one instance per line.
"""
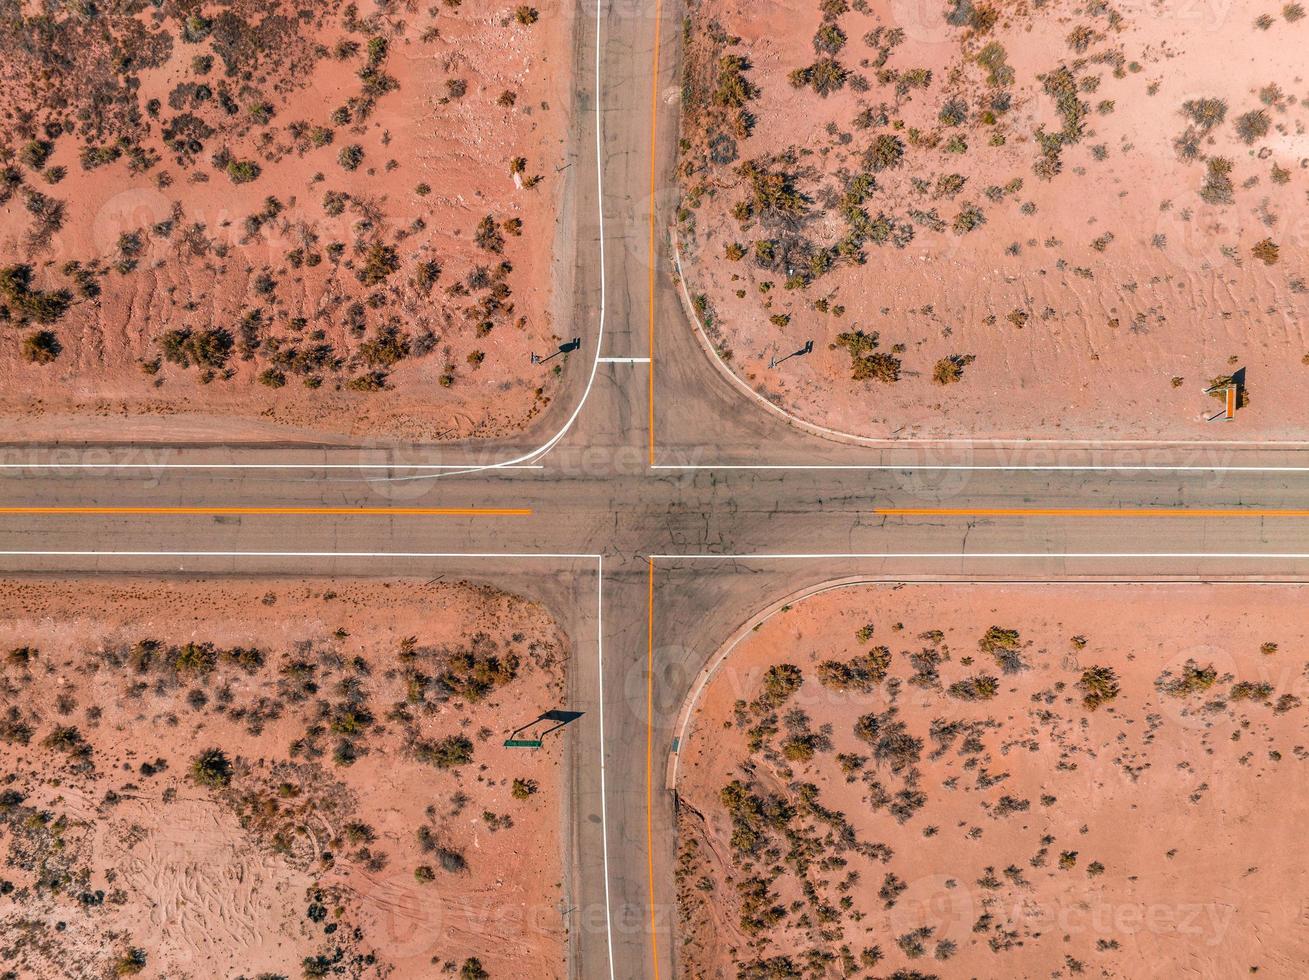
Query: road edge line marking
x=649 y=765
x=220 y=511
x=604 y=807
x=1123 y=512
x=654 y=255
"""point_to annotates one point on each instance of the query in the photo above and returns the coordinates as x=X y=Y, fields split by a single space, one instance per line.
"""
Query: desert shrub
x=67 y=739
x=488 y=235
x=982 y=687
x=351 y=156
x=1251 y=691
x=824 y=76
x=35 y=153
x=1205 y=113
x=424 y=873
x=523 y=788
x=242 y=171
x=1253 y=125
x=208 y=348
x=866 y=362
x=773 y=192
x=526 y=15
x=862 y=673
x=781 y=681
x=969 y=218
x=445 y=753
x=1193 y=679
x=450 y=860
x=388 y=346
x=954 y=112
x=829 y=39
x=950 y=369
x=380 y=261
x=1217 y=186
x=130 y=963
x=25 y=303
x=212 y=768
x=1266 y=251
x=886 y=152
x=472 y=969
x=41 y=347
x=1099 y=685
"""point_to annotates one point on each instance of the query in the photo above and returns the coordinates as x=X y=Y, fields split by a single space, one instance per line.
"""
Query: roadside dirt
x=1001 y=220
x=970 y=781
x=364 y=819
x=261 y=220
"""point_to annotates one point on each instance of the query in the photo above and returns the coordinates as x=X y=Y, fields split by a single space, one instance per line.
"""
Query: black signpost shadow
x=557 y=718
x=567 y=348
x=808 y=348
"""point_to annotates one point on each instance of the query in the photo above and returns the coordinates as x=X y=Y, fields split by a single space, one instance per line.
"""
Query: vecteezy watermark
x=1205 y=923
x=145 y=463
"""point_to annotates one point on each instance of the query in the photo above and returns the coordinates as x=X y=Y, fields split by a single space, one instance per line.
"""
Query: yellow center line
x=1089 y=512
x=280 y=511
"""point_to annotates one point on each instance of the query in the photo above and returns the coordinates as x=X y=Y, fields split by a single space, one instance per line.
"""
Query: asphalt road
x=739 y=510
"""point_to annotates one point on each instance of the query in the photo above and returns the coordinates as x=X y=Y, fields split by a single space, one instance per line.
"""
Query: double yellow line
x=277 y=511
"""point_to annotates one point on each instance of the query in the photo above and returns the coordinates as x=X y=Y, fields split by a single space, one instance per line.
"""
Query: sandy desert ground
x=361 y=817
x=1001 y=781
x=255 y=220
x=1002 y=219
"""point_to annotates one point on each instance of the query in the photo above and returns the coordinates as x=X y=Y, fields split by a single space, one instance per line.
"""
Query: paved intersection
x=738 y=511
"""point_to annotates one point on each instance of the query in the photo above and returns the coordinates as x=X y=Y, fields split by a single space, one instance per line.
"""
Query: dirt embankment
x=276 y=779
x=267 y=220
x=956 y=781
x=1001 y=219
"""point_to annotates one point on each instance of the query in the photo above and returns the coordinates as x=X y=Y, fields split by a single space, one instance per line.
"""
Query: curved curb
x=884 y=442
x=725 y=650
x=835 y=435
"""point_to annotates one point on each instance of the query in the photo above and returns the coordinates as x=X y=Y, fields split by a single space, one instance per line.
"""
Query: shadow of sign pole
x=524 y=738
x=567 y=348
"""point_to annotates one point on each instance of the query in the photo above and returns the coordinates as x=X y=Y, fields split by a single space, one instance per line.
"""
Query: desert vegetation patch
x=282 y=779
x=997 y=218
x=270 y=218
x=926 y=782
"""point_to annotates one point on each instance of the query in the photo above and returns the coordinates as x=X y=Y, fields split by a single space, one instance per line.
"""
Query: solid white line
x=253 y=466
x=599 y=340
x=624 y=360
x=1000 y=554
x=604 y=810
x=905 y=467
x=291 y=554
x=456 y=469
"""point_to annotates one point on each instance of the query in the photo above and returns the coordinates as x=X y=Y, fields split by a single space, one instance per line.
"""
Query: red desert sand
x=260 y=220
x=278 y=778
x=1002 y=219
x=1000 y=781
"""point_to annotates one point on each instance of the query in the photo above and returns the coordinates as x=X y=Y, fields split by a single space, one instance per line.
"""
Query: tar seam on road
x=1089 y=512
x=278 y=511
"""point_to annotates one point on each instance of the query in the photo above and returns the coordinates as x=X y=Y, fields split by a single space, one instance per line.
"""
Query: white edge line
x=905 y=467
x=604 y=810
x=455 y=469
x=599 y=340
x=955 y=555
x=624 y=360
x=254 y=466
x=290 y=554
